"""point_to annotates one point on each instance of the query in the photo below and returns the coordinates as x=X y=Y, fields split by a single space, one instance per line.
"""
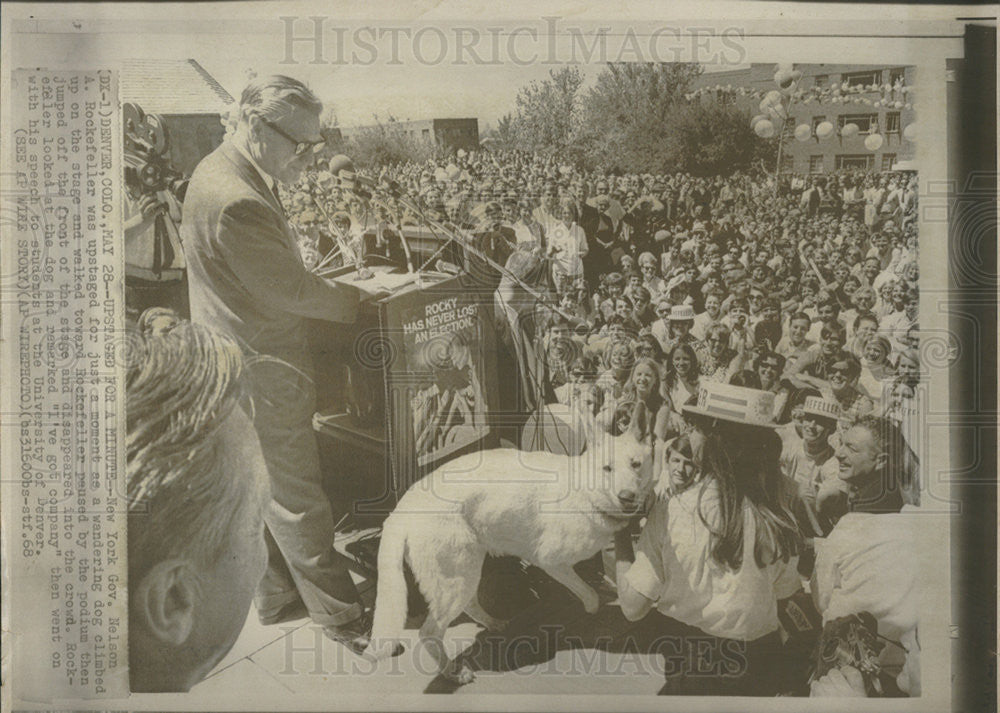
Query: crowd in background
x=807 y=287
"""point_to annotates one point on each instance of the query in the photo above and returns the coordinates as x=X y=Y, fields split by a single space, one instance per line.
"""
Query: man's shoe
x=355 y=635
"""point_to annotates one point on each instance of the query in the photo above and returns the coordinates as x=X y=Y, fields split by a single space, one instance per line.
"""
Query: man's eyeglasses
x=301 y=147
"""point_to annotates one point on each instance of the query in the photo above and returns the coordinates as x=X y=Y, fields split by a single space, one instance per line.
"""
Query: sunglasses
x=301 y=147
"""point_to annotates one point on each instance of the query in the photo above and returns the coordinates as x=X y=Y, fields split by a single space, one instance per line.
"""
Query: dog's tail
x=391 y=599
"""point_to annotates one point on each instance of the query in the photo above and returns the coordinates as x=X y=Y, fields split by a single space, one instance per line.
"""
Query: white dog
x=550 y=510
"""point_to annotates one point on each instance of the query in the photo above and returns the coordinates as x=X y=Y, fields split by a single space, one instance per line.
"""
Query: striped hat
x=821 y=407
x=738 y=404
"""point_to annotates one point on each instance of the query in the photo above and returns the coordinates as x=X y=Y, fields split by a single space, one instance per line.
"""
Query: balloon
x=777 y=112
x=764 y=104
x=784 y=67
x=873 y=142
x=453 y=172
x=824 y=130
x=461 y=153
x=898 y=105
x=773 y=97
x=759 y=117
x=440 y=175
x=910 y=132
x=796 y=75
x=784 y=80
x=764 y=129
x=803 y=132
x=849 y=130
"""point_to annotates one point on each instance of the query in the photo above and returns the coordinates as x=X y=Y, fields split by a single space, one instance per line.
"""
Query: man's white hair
x=275 y=97
x=182 y=383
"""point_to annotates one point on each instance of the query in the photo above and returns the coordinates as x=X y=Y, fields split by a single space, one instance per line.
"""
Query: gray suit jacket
x=246 y=275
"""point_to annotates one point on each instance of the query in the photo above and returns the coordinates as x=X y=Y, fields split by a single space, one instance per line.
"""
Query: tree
x=545 y=112
x=386 y=143
x=624 y=120
x=712 y=139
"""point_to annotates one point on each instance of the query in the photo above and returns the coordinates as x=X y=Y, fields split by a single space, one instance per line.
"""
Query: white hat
x=821 y=407
x=681 y=313
x=738 y=404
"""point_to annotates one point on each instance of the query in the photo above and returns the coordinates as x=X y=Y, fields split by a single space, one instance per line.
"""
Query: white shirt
x=570 y=245
x=868 y=563
x=674 y=568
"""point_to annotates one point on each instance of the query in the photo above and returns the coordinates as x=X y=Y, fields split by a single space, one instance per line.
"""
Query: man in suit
x=247 y=279
x=586 y=218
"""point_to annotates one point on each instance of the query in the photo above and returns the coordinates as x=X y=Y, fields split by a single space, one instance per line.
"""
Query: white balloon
x=764 y=129
x=873 y=142
x=758 y=117
x=784 y=80
x=773 y=97
x=910 y=132
x=784 y=67
x=849 y=130
x=796 y=75
x=803 y=132
x=824 y=130
x=777 y=113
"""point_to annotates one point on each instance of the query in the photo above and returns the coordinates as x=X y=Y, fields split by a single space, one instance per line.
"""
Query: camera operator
x=154 y=260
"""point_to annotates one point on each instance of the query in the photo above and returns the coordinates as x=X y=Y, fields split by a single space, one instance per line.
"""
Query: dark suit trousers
x=302 y=563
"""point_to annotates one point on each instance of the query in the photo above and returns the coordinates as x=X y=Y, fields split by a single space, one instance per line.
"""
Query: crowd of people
x=625 y=299
x=804 y=288
x=760 y=333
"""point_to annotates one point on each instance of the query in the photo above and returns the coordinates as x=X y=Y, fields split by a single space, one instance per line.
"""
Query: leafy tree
x=710 y=139
x=544 y=121
x=386 y=143
x=624 y=120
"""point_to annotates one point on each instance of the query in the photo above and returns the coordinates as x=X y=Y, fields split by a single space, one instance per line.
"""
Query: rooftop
x=166 y=86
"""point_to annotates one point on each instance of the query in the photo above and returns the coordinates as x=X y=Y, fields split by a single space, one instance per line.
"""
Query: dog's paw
x=460 y=675
x=591 y=602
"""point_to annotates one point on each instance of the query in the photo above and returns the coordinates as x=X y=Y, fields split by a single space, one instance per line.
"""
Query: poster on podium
x=441 y=379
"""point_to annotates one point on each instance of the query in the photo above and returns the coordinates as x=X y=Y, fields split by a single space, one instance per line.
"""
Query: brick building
x=449 y=133
x=836 y=152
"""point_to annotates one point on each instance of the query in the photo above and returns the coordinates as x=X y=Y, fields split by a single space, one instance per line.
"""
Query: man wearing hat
x=809 y=461
x=680 y=321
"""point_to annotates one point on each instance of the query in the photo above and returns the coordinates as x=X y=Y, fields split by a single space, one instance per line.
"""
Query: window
x=862 y=79
x=896 y=74
x=821 y=80
x=426 y=133
x=892 y=122
x=854 y=162
x=867 y=123
x=888 y=161
x=816 y=163
x=787 y=163
x=817 y=120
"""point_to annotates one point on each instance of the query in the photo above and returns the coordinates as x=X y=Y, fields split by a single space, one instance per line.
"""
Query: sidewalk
x=552 y=646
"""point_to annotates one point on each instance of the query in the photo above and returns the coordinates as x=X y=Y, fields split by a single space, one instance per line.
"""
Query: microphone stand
x=454 y=235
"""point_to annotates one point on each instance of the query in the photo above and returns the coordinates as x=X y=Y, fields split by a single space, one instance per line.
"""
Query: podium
x=411 y=384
